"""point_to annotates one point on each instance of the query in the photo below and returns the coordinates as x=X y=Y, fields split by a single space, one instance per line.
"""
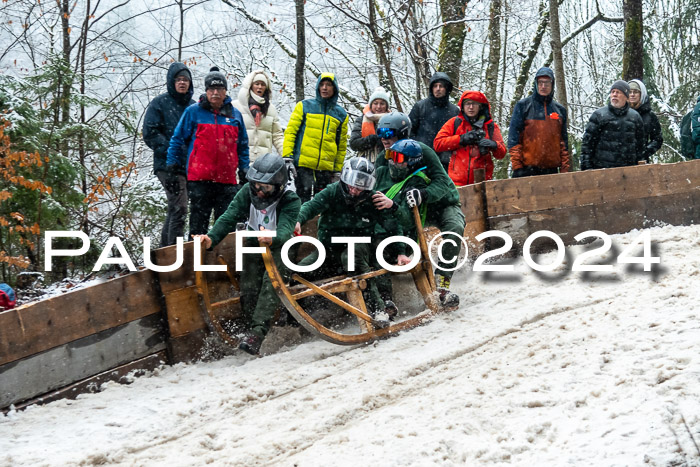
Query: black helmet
x=268 y=169
x=397 y=121
x=358 y=172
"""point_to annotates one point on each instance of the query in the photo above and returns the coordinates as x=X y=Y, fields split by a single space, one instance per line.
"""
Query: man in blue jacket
x=217 y=146
x=162 y=116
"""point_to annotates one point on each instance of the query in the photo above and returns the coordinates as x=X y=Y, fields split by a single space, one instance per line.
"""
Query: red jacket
x=466 y=159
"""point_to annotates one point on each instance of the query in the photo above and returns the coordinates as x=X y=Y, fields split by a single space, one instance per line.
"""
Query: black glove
x=415 y=196
x=291 y=170
x=486 y=145
x=470 y=138
x=172 y=179
x=242 y=180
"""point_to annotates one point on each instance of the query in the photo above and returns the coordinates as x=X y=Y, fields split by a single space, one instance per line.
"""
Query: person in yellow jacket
x=316 y=139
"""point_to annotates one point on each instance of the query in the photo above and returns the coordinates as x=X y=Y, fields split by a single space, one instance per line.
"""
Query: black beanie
x=185 y=72
x=216 y=79
x=621 y=86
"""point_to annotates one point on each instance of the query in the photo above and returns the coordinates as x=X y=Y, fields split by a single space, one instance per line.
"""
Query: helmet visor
x=358 y=179
x=264 y=188
x=397 y=157
x=386 y=133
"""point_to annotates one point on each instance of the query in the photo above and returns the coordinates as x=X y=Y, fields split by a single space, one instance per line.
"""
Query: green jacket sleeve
x=440 y=183
x=316 y=205
x=391 y=224
x=286 y=218
x=237 y=211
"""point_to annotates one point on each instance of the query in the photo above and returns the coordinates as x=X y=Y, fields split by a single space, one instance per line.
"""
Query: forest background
x=77 y=75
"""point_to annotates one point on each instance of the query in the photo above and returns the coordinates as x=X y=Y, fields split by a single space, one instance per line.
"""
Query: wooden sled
x=351 y=286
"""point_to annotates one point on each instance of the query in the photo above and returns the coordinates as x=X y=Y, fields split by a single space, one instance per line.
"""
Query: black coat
x=430 y=114
x=613 y=138
x=652 y=129
x=163 y=115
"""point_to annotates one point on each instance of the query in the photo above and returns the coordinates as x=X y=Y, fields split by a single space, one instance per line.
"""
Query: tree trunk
x=633 y=53
x=452 y=38
x=301 y=51
x=531 y=53
x=382 y=55
x=494 y=49
x=557 y=53
x=182 y=30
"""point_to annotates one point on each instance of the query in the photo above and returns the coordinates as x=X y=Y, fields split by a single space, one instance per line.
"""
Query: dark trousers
x=206 y=197
x=176 y=213
x=531 y=170
x=309 y=182
x=259 y=301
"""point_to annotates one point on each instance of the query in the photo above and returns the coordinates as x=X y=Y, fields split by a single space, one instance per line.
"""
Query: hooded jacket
x=695 y=128
x=652 y=128
x=430 y=114
x=537 y=135
x=317 y=134
x=269 y=134
x=216 y=142
x=614 y=137
x=163 y=115
x=363 y=138
x=466 y=159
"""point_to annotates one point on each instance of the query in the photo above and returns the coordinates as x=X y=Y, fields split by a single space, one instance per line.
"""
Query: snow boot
x=391 y=309
x=251 y=343
x=448 y=300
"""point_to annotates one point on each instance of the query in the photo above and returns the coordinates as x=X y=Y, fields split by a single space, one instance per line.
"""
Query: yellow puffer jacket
x=317 y=134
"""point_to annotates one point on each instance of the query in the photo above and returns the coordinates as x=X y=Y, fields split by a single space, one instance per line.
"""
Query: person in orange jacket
x=473 y=137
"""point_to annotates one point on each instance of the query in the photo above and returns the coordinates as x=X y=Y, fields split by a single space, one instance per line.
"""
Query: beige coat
x=261 y=139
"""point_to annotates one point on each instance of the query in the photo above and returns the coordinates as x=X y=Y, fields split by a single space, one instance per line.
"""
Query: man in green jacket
x=264 y=204
x=440 y=196
x=346 y=210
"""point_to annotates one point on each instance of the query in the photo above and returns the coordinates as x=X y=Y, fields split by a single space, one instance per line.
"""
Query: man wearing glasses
x=217 y=146
x=162 y=116
x=538 y=141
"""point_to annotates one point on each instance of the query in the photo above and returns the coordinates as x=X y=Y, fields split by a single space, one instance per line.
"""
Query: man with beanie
x=639 y=101
x=614 y=135
x=364 y=139
x=538 y=141
x=162 y=116
x=430 y=114
x=316 y=139
x=216 y=142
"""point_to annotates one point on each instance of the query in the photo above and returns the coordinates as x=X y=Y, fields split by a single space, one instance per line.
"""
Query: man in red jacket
x=473 y=137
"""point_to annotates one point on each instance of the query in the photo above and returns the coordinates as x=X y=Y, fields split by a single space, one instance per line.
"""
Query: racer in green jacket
x=265 y=203
x=346 y=210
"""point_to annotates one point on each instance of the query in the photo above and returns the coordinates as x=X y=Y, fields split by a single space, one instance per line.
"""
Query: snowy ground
x=532 y=370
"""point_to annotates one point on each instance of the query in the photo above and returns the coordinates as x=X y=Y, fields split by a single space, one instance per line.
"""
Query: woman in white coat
x=260 y=116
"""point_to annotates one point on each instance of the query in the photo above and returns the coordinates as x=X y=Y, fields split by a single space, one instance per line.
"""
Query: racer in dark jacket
x=639 y=101
x=346 y=210
x=614 y=135
x=430 y=114
x=266 y=203
x=538 y=141
x=162 y=116
x=217 y=146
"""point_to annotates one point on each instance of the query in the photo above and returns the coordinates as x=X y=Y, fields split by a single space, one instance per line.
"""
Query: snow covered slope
x=533 y=369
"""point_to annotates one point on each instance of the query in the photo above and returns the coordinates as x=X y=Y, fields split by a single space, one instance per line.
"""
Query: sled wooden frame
x=352 y=286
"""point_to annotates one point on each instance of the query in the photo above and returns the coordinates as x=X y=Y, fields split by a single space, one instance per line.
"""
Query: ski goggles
x=265 y=188
x=386 y=133
x=397 y=157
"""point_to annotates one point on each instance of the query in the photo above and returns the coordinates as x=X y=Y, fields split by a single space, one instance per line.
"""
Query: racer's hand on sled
x=264 y=241
x=403 y=260
x=297 y=229
x=204 y=240
x=414 y=197
x=381 y=201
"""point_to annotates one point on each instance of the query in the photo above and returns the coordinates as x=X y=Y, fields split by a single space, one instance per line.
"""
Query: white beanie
x=380 y=93
x=260 y=77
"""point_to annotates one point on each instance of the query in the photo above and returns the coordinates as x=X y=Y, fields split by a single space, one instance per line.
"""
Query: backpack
x=687 y=145
x=8 y=298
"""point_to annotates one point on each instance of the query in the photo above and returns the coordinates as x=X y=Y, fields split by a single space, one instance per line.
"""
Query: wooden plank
x=94 y=383
x=611 y=218
x=189 y=347
x=77 y=360
x=590 y=187
x=472 y=199
x=50 y=323
x=184 y=315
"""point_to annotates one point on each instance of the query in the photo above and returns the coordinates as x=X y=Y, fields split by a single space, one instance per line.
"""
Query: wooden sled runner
x=351 y=286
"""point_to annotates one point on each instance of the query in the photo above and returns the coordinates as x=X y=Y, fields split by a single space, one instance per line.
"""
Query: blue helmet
x=411 y=150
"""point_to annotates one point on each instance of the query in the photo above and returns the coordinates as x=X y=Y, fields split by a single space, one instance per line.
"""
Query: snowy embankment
x=567 y=370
